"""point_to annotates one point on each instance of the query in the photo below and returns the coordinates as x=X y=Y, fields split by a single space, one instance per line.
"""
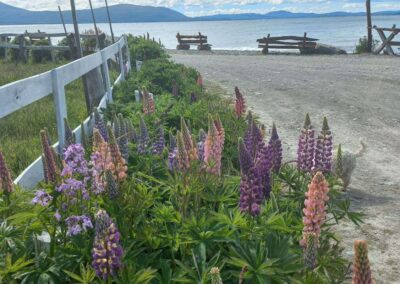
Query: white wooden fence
x=19 y=94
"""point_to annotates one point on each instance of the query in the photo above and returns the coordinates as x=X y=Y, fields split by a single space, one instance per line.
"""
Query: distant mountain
x=126 y=13
x=119 y=13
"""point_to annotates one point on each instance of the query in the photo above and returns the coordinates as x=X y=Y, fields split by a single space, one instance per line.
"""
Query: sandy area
x=360 y=95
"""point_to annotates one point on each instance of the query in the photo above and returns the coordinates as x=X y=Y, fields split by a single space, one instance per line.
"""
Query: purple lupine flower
x=172 y=161
x=159 y=144
x=323 y=151
x=107 y=251
x=143 y=142
x=246 y=161
x=275 y=145
x=72 y=187
x=100 y=125
x=78 y=224
x=253 y=138
x=201 y=144
x=264 y=163
x=42 y=198
x=112 y=186
x=306 y=147
x=75 y=162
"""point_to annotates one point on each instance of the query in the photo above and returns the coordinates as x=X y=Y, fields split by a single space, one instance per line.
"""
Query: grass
x=19 y=138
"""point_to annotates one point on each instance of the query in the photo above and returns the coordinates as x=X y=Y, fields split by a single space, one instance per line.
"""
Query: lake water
x=343 y=32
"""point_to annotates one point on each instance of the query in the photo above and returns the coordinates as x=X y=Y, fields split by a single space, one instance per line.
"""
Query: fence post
x=106 y=73
x=60 y=106
x=121 y=60
x=128 y=54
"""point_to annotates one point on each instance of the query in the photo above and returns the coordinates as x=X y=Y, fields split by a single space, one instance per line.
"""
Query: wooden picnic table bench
x=387 y=42
x=287 y=42
x=185 y=41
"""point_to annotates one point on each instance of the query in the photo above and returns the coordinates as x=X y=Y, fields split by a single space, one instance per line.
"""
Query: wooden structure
x=387 y=42
x=185 y=41
x=287 y=42
x=19 y=94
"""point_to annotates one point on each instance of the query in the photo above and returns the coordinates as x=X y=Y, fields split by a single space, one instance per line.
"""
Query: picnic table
x=185 y=41
x=387 y=42
x=303 y=43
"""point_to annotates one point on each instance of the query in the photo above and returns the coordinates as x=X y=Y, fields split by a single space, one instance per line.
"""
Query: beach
x=359 y=94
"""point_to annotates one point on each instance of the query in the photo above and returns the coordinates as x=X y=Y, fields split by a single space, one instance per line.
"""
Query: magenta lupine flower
x=200 y=144
x=100 y=125
x=107 y=251
x=75 y=162
x=172 y=159
x=306 y=147
x=159 y=144
x=275 y=144
x=42 y=198
x=323 y=151
x=253 y=138
x=144 y=139
x=52 y=171
x=6 y=182
x=240 y=105
x=78 y=224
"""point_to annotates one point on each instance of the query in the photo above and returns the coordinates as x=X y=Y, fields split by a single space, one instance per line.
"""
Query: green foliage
x=41 y=55
x=362 y=46
x=143 y=49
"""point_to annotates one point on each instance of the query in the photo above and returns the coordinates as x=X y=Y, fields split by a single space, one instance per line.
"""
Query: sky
x=211 y=7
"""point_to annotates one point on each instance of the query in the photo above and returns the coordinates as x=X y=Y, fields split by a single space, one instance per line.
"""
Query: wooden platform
x=286 y=42
x=185 y=41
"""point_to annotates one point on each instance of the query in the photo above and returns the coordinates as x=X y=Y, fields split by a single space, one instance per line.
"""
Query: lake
x=343 y=32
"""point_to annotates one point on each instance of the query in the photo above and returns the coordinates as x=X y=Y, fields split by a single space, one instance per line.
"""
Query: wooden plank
x=21 y=93
x=386 y=42
x=110 y=51
x=35 y=47
x=288 y=43
x=192 y=36
x=186 y=41
x=286 y=46
x=297 y=38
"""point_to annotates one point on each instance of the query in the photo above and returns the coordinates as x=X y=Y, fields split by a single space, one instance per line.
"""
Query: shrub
x=41 y=55
x=14 y=53
x=143 y=49
x=362 y=45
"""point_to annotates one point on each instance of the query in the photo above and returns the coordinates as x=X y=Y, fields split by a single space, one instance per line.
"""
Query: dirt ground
x=360 y=95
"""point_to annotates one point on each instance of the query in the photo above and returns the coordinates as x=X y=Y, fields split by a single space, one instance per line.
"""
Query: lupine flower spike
x=51 y=168
x=306 y=147
x=200 y=144
x=159 y=144
x=253 y=138
x=361 y=268
x=182 y=155
x=275 y=145
x=310 y=250
x=212 y=149
x=172 y=141
x=100 y=125
x=148 y=103
x=6 y=182
x=118 y=166
x=107 y=251
x=240 y=105
x=189 y=143
x=215 y=276
x=315 y=206
x=323 y=151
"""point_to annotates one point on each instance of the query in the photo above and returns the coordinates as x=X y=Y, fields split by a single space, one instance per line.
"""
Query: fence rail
x=19 y=94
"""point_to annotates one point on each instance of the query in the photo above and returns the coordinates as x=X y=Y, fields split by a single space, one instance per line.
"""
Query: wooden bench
x=387 y=42
x=185 y=41
x=287 y=42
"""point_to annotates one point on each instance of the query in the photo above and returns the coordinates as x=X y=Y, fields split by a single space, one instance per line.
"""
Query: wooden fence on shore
x=19 y=94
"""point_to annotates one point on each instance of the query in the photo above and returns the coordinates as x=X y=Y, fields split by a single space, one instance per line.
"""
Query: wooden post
x=62 y=20
x=369 y=26
x=95 y=26
x=22 y=49
x=107 y=76
x=304 y=40
x=60 y=106
x=109 y=21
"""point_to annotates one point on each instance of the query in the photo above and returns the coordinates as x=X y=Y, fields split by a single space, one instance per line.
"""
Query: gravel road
x=360 y=95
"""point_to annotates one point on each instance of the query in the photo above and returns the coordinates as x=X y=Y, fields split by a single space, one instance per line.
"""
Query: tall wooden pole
x=95 y=26
x=109 y=21
x=62 y=20
x=369 y=26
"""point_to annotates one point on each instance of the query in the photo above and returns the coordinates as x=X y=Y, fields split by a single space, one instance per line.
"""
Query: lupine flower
x=212 y=149
x=78 y=224
x=361 y=267
x=245 y=160
x=52 y=171
x=172 y=159
x=253 y=138
x=100 y=125
x=122 y=138
x=97 y=163
x=215 y=276
x=264 y=163
x=221 y=132
x=98 y=140
x=118 y=166
x=57 y=215
x=107 y=251
x=69 y=135
x=6 y=182
x=133 y=137
x=240 y=105
x=183 y=160
x=116 y=127
x=159 y=144
x=200 y=81
x=310 y=250
x=143 y=142
x=72 y=187
x=75 y=162
x=188 y=140
x=42 y=198
x=315 y=206
x=172 y=141
x=148 y=103
x=306 y=147
x=323 y=151
x=339 y=162
x=275 y=145
x=200 y=144
x=112 y=186
x=175 y=89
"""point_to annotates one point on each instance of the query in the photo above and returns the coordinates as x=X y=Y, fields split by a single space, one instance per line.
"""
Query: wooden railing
x=19 y=94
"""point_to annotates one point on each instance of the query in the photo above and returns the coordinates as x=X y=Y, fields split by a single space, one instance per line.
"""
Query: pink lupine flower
x=118 y=166
x=190 y=146
x=6 y=182
x=148 y=103
x=213 y=149
x=51 y=169
x=240 y=104
x=182 y=155
x=361 y=267
x=315 y=206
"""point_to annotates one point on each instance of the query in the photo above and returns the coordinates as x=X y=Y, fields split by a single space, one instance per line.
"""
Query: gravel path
x=360 y=95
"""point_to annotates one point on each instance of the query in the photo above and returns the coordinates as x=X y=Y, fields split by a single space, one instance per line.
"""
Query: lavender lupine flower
x=201 y=144
x=100 y=125
x=172 y=142
x=42 y=198
x=78 y=224
x=112 y=186
x=159 y=144
x=143 y=142
x=253 y=138
x=275 y=145
x=57 y=215
x=107 y=251
x=75 y=162
x=69 y=135
x=172 y=159
x=6 y=182
x=52 y=171
x=306 y=147
x=72 y=188
x=323 y=151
